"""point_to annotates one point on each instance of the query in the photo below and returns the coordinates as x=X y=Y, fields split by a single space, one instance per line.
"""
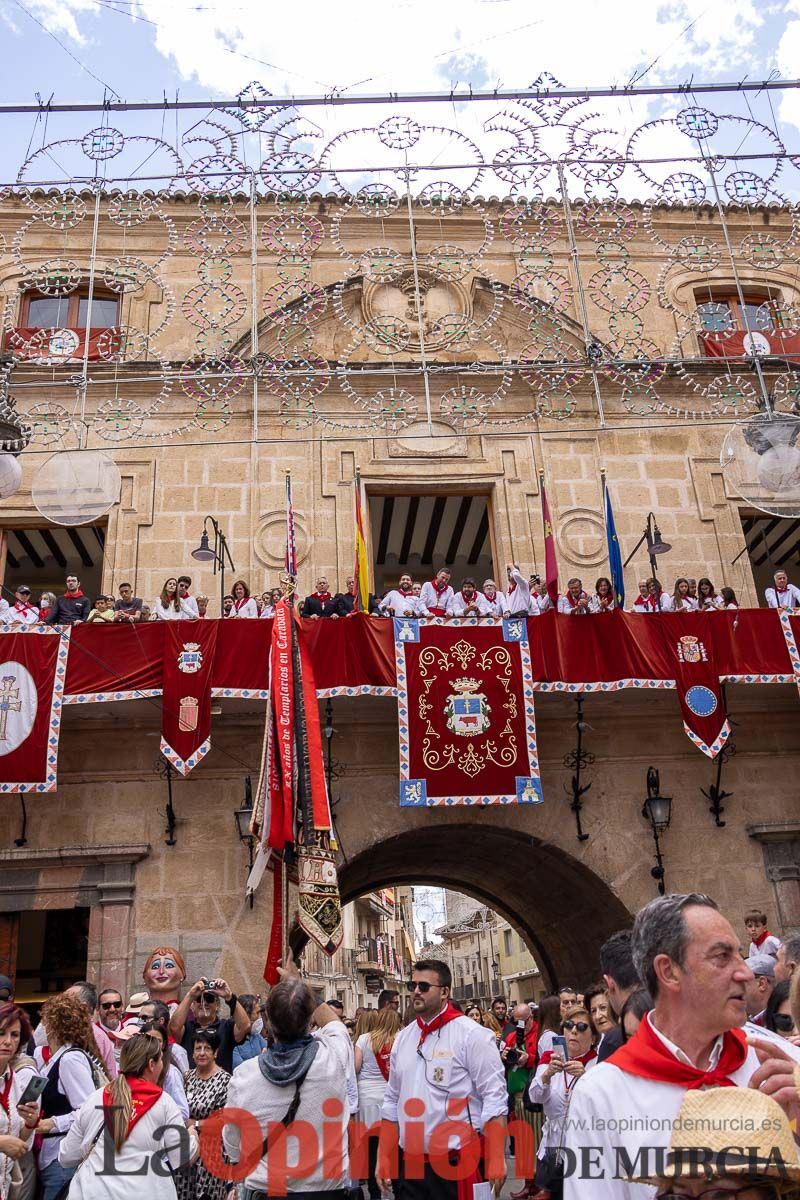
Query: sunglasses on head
x=422 y=985
x=111 y=1004
x=577 y=1026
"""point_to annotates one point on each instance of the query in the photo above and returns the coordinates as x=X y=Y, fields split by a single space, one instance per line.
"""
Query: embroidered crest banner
x=466 y=716
x=691 y=647
x=189 y=651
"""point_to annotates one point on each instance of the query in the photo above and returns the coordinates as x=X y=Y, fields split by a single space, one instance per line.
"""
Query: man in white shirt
x=189 y=609
x=575 y=601
x=468 y=602
x=402 y=600
x=496 y=600
x=436 y=594
x=784 y=594
x=518 y=599
x=688 y=956
x=22 y=611
x=452 y=1065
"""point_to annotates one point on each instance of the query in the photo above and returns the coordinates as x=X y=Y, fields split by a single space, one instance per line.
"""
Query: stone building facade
x=204 y=413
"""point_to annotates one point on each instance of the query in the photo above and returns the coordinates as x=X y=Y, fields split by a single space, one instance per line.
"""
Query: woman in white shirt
x=603 y=598
x=136 y=1123
x=17 y=1121
x=73 y=1073
x=168 y=605
x=680 y=600
x=707 y=598
x=551 y=1086
x=372 y=1053
x=243 y=603
x=728 y=597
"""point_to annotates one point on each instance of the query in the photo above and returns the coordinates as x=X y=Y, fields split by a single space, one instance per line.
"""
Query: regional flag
x=550 y=561
x=361 y=572
x=614 y=554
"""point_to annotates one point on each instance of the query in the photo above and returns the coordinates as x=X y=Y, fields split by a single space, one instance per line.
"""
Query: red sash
x=237 y=604
x=144 y=1097
x=6 y=1092
x=382 y=1058
x=447 y=1015
x=646 y=1055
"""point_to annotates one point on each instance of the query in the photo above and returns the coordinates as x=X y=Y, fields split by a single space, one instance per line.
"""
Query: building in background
x=520 y=978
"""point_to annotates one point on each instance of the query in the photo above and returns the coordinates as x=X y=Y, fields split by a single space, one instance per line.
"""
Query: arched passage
x=563 y=910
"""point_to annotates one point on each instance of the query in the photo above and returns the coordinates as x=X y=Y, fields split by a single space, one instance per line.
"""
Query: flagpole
x=289 y=587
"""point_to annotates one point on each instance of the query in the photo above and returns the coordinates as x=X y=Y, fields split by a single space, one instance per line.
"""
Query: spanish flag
x=361 y=572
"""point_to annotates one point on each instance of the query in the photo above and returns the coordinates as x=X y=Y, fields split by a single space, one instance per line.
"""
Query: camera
x=512 y=1057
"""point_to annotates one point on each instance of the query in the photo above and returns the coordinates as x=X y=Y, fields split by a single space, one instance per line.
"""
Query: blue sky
x=146 y=48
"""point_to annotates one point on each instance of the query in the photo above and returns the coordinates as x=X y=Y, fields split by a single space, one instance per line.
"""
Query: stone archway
x=563 y=910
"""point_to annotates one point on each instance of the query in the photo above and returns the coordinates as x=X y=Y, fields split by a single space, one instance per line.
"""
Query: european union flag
x=614 y=555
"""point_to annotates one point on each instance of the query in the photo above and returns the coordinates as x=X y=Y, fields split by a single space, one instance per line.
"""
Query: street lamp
x=655 y=546
x=657 y=809
x=243 y=816
x=217 y=555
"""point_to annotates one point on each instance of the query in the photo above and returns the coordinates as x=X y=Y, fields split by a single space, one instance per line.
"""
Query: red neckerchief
x=323 y=597
x=641 y=601
x=762 y=937
x=47 y=1054
x=582 y=1058
x=447 y=1015
x=646 y=1055
x=73 y=595
x=474 y=599
x=573 y=600
x=440 y=591
x=403 y=592
x=652 y=602
x=22 y=606
x=6 y=1092
x=237 y=604
x=512 y=587
x=144 y=1096
x=382 y=1059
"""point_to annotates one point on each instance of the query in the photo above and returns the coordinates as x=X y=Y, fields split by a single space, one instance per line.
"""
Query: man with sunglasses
x=199 y=1009
x=451 y=1064
x=109 y=1009
x=687 y=954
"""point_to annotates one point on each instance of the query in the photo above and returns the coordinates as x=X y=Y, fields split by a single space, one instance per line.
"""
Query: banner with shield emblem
x=189 y=650
x=466 y=716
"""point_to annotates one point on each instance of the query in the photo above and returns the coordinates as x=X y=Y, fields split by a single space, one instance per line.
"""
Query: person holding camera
x=518 y=1052
x=559 y=1070
x=199 y=1010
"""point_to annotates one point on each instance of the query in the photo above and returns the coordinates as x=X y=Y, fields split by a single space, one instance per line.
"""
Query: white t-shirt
x=370 y=1071
x=247 y=608
x=789 y=598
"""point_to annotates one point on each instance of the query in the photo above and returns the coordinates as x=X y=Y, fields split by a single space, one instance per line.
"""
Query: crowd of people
x=599 y=1086
x=421 y=601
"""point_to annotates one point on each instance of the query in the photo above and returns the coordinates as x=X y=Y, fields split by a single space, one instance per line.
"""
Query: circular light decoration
x=701 y=701
x=10 y=475
x=76 y=486
x=761 y=460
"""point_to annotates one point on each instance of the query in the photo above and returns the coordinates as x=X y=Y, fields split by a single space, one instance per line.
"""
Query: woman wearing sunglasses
x=556 y=1076
x=778 y=1013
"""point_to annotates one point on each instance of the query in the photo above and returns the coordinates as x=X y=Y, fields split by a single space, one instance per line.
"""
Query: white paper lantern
x=10 y=475
x=76 y=486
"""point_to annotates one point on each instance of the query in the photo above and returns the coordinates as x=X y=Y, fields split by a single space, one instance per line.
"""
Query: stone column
x=780 y=844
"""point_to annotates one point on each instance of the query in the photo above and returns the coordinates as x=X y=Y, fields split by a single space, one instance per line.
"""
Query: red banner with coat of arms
x=189 y=651
x=33 y=667
x=466 y=718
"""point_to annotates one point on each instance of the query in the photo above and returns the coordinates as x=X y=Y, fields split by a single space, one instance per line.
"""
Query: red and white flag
x=33 y=667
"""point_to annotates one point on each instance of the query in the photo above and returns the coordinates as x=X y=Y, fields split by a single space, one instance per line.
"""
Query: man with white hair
x=687 y=954
x=783 y=594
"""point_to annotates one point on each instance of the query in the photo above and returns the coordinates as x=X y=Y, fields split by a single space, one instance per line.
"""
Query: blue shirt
x=251 y=1047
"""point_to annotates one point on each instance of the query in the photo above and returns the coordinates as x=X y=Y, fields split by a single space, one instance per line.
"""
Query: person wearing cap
x=759 y=989
x=710 y=1156
x=22 y=612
